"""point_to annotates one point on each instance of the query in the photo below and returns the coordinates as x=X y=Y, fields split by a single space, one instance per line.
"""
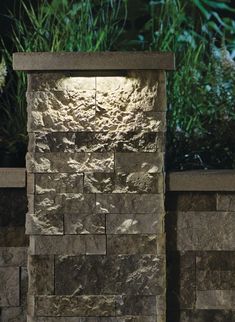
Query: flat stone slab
x=93 y=61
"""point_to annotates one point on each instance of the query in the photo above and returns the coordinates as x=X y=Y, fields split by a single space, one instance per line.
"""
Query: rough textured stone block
x=215 y=280
x=119 y=141
x=69 y=162
x=13 y=314
x=191 y=201
x=129 y=203
x=44 y=224
x=128 y=274
x=202 y=230
x=59 y=82
x=41 y=275
x=75 y=305
x=99 y=182
x=134 y=223
x=84 y=223
x=68 y=245
x=132 y=244
x=23 y=286
x=136 y=305
x=9 y=286
x=13 y=256
x=216 y=299
x=61 y=111
x=226 y=202
x=58 y=183
x=138 y=162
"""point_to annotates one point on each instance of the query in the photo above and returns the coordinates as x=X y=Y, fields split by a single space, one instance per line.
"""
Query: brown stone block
x=226 y=201
x=78 y=223
x=216 y=299
x=13 y=256
x=41 y=275
x=9 y=286
x=13 y=237
x=136 y=305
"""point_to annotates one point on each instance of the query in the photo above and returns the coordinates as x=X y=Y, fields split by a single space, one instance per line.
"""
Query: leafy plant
x=57 y=25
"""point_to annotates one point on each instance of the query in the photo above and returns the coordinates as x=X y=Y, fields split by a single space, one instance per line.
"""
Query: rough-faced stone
x=13 y=256
x=68 y=245
x=44 y=224
x=69 y=162
x=9 y=286
x=69 y=203
x=23 y=286
x=78 y=223
x=216 y=261
x=59 y=183
x=138 y=162
x=59 y=82
x=132 y=244
x=215 y=280
x=134 y=223
x=129 y=203
x=99 y=182
x=123 y=274
x=136 y=305
x=119 y=141
x=52 y=142
x=216 y=299
x=61 y=111
x=41 y=275
x=75 y=305
x=202 y=230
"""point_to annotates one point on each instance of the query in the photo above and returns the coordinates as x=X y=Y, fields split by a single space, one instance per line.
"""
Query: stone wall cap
x=48 y=61
x=201 y=180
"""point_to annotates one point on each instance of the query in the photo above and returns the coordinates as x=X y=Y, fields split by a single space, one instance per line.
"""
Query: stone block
x=129 y=203
x=134 y=223
x=59 y=82
x=44 y=224
x=132 y=244
x=181 y=280
x=99 y=182
x=77 y=223
x=12 y=214
x=9 y=286
x=13 y=237
x=23 y=286
x=201 y=231
x=138 y=162
x=69 y=162
x=226 y=201
x=52 y=142
x=119 y=141
x=51 y=203
x=97 y=319
x=136 y=305
x=59 y=111
x=216 y=300
x=13 y=256
x=206 y=316
x=58 y=183
x=13 y=314
x=30 y=183
x=215 y=280
x=123 y=274
x=216 y=261
x=191 y=201
x=68 y=245
x=75 y=305
x=41 y=274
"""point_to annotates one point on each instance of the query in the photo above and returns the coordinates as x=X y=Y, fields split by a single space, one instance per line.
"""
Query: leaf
x=202 y=9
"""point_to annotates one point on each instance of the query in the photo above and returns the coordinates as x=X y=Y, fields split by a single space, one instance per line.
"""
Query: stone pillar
x=95 y=166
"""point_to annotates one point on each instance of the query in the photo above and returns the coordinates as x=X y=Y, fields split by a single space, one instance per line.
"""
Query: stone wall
x=201 y=253
x=96 y=197
x=13 y=254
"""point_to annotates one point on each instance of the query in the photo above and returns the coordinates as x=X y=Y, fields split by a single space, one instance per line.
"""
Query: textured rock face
x=95 y=216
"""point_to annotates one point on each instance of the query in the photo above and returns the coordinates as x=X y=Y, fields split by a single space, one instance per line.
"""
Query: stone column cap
x=51 y=61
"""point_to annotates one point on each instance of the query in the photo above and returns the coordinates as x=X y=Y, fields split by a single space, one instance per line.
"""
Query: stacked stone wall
x=96 y=197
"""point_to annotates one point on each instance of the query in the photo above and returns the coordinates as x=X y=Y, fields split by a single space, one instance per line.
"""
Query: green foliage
x=58 y=25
